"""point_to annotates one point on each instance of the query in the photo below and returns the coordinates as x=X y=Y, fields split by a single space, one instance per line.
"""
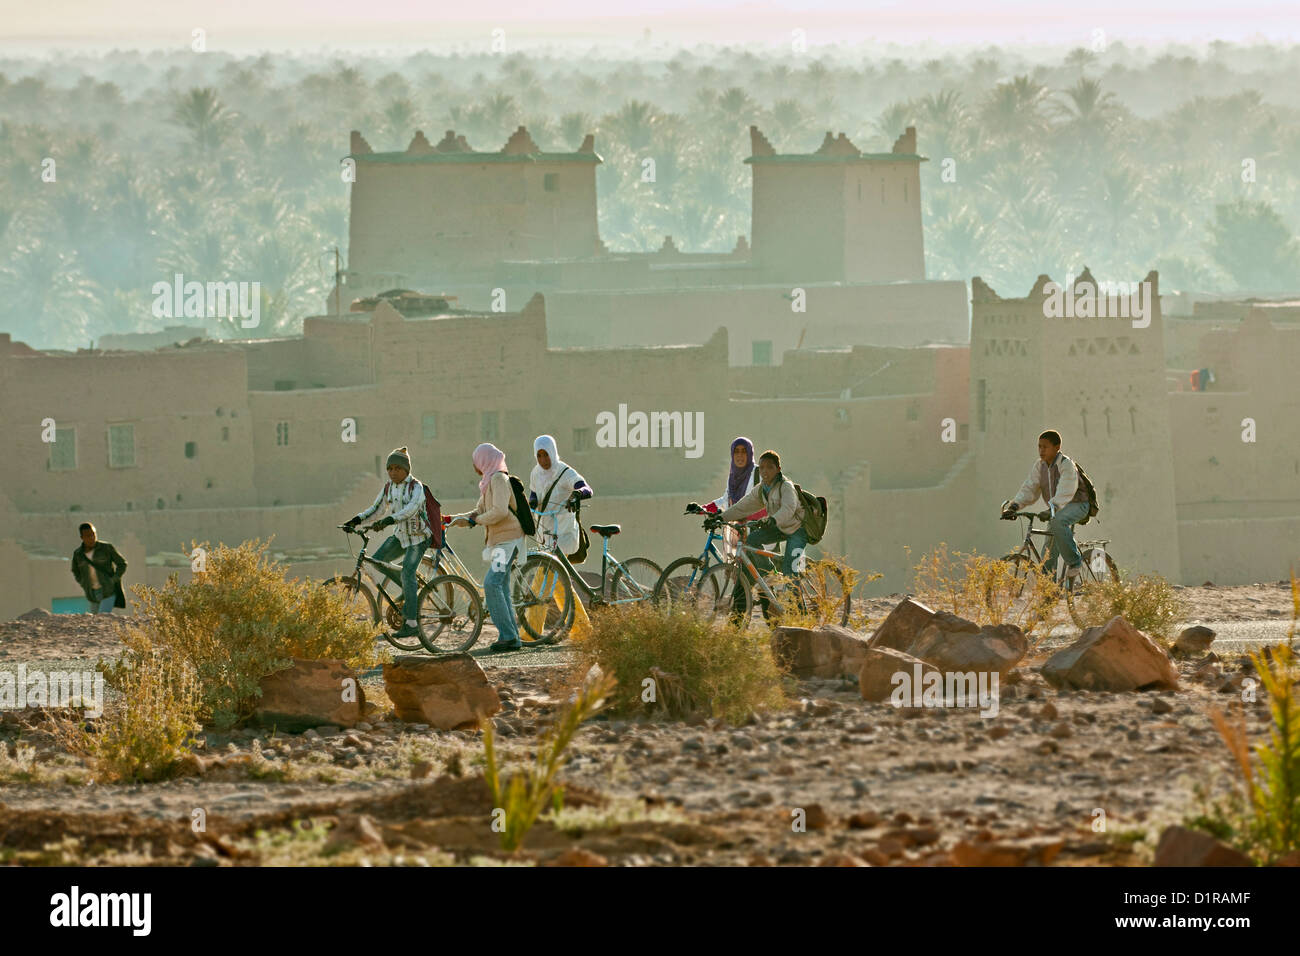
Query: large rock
x=953 y=643
x=876 y=678
x=903 y=625
x=443 y=692
x=827 y=651
x=1182 y=847
x=1194 y=640
x=1113 y=657
x=311 y=694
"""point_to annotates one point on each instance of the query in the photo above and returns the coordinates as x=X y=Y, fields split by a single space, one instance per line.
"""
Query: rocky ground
x=834 y=781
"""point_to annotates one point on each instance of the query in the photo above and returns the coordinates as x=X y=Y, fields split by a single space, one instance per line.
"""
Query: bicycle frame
x=366 y=562
x=742 y=560
x=550 y=544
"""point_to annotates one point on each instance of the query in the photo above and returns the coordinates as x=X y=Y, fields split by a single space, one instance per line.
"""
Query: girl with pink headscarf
x=503 y=540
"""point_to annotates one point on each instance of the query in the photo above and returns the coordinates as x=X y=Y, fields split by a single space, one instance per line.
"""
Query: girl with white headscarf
x=553 y=484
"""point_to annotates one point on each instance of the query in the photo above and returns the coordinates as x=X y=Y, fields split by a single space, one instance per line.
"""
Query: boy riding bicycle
x=1055 y=479
x=404 y=496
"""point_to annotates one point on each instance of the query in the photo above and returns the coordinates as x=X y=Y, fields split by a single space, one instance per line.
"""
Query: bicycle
x=632 y=580
x=1028 y=559
x=713 y=589
x=450 y=614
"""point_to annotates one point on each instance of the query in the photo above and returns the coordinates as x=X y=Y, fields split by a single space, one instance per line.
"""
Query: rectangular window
x=63 y=450
x=551 y=182
x=429 y=426
x=762 y=352
x=913 y=412
x=225 y=433
x=581 y=439
x=490 y=429
x=121 y=446
x=282 y=433
x=191 y=449
x=981 y=404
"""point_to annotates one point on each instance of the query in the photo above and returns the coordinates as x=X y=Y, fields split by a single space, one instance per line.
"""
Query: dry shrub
x=986 y=590
x=832 y=581
x=1148 y=602
x=238 y=621
x=147 y=733
x=716 y=667
x=1263 y=817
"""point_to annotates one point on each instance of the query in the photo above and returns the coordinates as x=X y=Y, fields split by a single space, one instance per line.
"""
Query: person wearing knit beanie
x=404 y=497
x=400 y=456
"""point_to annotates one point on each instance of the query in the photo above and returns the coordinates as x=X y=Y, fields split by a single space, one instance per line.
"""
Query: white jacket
x=1056 y=483
x=564 y=526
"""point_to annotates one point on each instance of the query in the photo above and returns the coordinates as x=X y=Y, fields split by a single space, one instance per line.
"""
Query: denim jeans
x=411 y=556
x=496 y=592
x=103 y=602
x=771 y=534
x=1062 y=540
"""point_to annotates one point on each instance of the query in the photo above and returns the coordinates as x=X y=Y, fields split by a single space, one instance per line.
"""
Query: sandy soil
x=834 y=781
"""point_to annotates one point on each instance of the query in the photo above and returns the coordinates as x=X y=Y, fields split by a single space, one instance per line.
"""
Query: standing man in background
x=98 y=568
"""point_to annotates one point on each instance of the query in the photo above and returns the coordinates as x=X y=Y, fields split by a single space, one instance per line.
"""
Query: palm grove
x=225 y=168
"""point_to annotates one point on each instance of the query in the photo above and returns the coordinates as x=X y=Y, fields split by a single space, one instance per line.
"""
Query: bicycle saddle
x=605 y=530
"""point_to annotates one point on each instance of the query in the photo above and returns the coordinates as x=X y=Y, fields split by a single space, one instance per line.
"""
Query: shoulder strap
x=547 y=499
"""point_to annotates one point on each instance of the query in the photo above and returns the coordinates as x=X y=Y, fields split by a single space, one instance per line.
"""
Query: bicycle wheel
x=718 y=596
x=357 y=596
x=451 y=615
x=542 y=581
x=1097 y=568
x=680 y=576
x=634 y=581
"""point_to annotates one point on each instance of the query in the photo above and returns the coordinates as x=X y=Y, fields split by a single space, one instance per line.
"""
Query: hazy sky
x=243 y=25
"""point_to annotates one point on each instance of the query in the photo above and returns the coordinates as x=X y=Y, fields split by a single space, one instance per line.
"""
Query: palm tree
x=1014 y=110
x=44 y=296
x=634 y=125
x=1250 y=242
x=209 y=122
x=1088 y=113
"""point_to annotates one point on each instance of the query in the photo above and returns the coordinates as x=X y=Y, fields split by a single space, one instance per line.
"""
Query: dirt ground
x=1059 y=778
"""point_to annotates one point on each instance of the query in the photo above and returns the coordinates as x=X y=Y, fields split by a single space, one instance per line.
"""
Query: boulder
x=952 y=643
x=1180 y=846
x=1031 y=851
x=1194 y=640
x=903 y=625
x=1113 y=657
x=311 y=693
x=828 y=651
x=444 y=692
x=876 y=678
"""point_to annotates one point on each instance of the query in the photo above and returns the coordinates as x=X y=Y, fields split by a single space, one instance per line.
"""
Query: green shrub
x=238 y=621
x=694 y=664
x=1148 y=602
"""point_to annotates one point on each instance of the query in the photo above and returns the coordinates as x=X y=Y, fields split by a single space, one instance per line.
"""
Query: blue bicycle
x=683 y=579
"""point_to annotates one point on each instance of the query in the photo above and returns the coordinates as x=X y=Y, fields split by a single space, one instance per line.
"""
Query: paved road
x=1230 y=637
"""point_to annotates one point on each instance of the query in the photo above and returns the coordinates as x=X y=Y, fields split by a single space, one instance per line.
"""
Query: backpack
x=432 y=510
x=1092 y=494
x=521 y=510
x=814 y=514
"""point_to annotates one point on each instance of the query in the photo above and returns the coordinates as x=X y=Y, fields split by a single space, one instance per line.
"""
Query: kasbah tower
x=1100 y=382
